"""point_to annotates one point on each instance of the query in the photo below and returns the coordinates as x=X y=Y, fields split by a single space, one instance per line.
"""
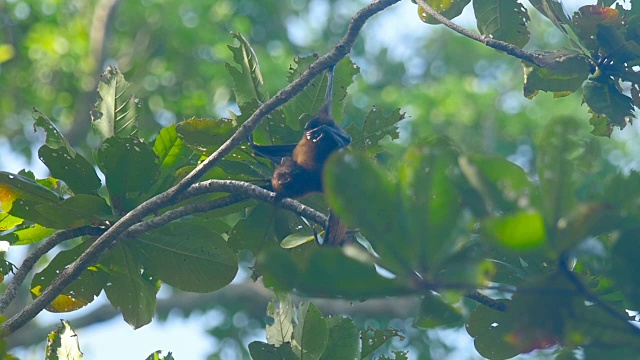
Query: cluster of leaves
x=450 y=221
x=602 y=58
x=314 y=336
x=447 y=221
x=197 y=253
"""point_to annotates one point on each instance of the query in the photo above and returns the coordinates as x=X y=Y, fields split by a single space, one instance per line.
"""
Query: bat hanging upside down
x=299 y=166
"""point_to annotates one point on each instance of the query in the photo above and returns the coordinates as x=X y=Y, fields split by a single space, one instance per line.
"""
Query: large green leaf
x=129 y=288
x=171 y=152
x=205 y=135
x=503 y=185
x=604 y=99
x=310 y=334
x=29 y=234
x=306 y=104
x=344 y=339
x=364 y=196
x=16 y=186
x=248 y=79
x=522 y=231
x=563 y=72
x=76 y=172
x=187 y=255
x=254 y=231
x=504 y=20
x=375 y=126
x=115 y=111
x=76 y=211
x=130 y=168
x=80 y=292
x=63 y=161
x=323 y=272
x=431 y=203
x=436 y=312
x=558 y=147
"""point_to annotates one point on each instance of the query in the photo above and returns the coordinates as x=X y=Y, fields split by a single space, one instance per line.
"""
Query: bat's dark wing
x=275 y=153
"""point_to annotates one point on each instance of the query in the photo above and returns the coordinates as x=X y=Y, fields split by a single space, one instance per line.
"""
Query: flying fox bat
x=299 y=166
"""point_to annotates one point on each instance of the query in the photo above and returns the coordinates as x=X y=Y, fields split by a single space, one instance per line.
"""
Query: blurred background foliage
x=173 y=54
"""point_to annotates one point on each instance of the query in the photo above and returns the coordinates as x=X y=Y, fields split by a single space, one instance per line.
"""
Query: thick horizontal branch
x=492 y=43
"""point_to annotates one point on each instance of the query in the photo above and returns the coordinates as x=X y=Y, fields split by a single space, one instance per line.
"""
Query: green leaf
x=310 y=334
x=170 y=151
x=54 y=139
x=76 y=211
x=563 y=72
x=450 y=9
x=604 y=99
x=297 y=239
x=503 y=185
x=248 y=80
x=375 y=127
x=323 y=272
x=601 y=126
x=372 y=339
x=187 y=255
x=344 y=339
x=130 y=168
x=76 y=172
x=490 y=329
x=306 y=104
x=431 y=203
x=254 y=231
x=63 y=161
x=264 y=351
x=21 y=187
x=435 y=312
x=504 y=20
x=115 y=111
x=205 y=135
x=557 y=149
x=63 y=344
x=8 y=222
x=282 y=311
x=128 y=288
x=26 y=235
x=80 y=292
x=522 y=231
x=364 y=196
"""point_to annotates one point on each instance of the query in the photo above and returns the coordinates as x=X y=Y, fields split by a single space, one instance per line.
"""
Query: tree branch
x=589 y=295
x=104 y=242
x=30 y=261
x=492 y=43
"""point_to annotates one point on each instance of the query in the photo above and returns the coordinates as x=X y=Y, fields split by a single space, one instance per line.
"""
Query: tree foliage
x=545 y=254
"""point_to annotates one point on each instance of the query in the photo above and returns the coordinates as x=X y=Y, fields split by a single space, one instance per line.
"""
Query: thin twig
x=492 y=43
x=589 y=295
x=486 y=301
x=30 y=261
x=93 y=253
